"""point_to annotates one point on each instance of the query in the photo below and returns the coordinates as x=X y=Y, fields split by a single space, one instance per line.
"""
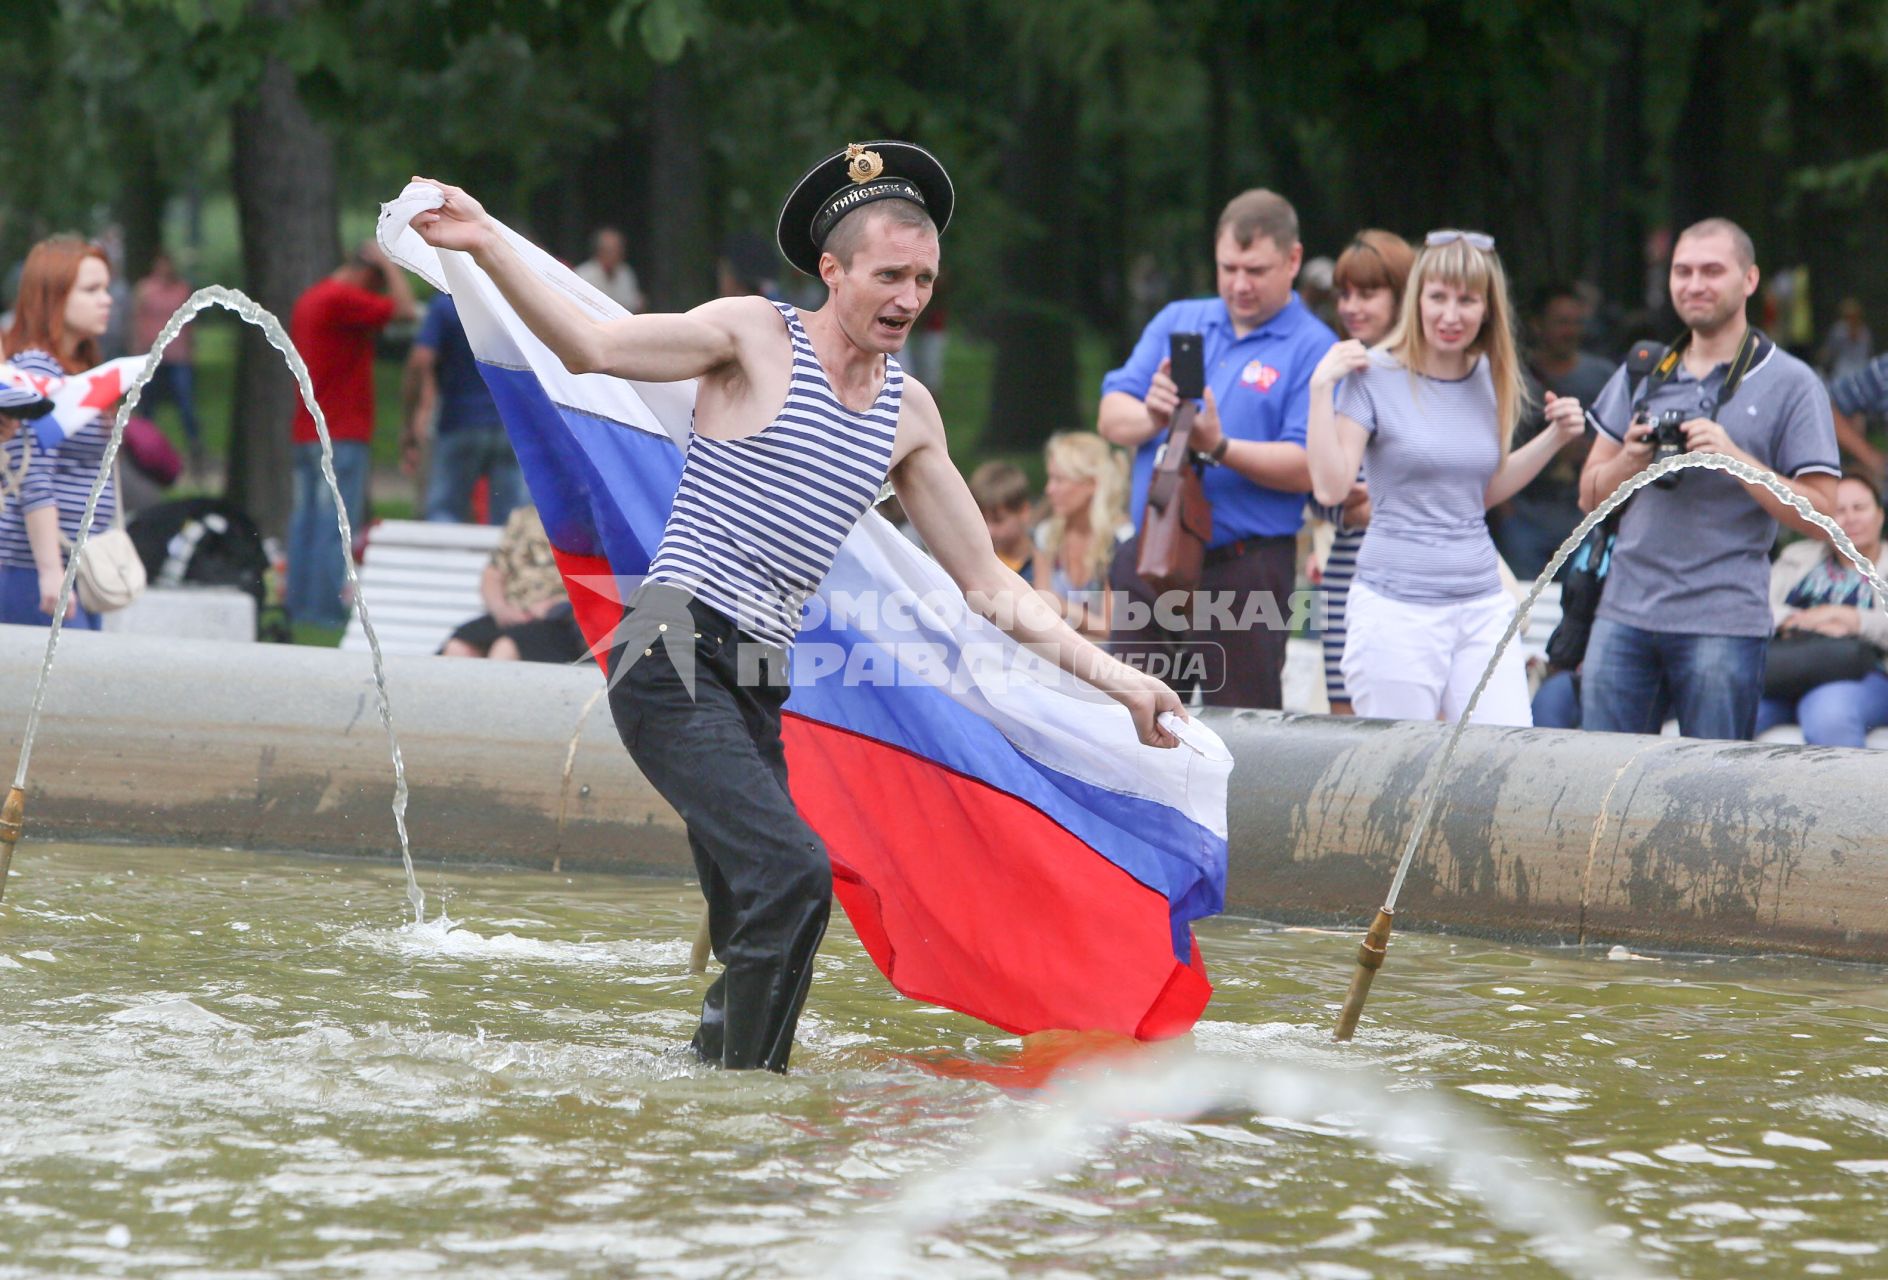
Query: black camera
x=1668 y=440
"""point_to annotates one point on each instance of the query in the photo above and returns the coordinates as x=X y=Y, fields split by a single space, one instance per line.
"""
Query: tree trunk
x=282 y=167
x=1565 y=173
x=1033 y=384
x=680 y=257
x=141 y=197
x=1621 y=189
x=1699 y=180
x=606 y=187
x=1217 y=169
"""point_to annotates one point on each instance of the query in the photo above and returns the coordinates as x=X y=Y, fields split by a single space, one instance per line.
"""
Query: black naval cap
x=20 y=400
x=852 y=178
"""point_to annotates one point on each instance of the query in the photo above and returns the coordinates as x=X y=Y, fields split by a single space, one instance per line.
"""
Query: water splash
x=1562 y=1228
x=255 y=314
x=1684 y=461
x=448 y=940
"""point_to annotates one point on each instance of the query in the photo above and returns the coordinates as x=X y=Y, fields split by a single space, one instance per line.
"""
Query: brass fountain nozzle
x=703 y=948
x=12 y=826
x=1376 y=945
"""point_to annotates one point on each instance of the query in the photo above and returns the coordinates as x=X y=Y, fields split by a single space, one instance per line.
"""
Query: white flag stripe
x=1084 y=735
x=499 y=337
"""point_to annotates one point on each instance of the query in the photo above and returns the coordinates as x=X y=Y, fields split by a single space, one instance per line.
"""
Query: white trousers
x=1419 y=661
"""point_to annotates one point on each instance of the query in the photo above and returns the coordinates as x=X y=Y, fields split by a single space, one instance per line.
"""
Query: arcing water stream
x=1372 y=954
x=250 y=311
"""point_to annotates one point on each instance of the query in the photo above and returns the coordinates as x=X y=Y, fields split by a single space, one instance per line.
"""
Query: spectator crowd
x=1390 y=447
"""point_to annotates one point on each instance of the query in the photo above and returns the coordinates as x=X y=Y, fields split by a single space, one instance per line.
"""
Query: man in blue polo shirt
x=1261 y=344
x=446 y=398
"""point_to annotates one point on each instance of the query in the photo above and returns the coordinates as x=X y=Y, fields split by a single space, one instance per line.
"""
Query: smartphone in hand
x=1188 y=355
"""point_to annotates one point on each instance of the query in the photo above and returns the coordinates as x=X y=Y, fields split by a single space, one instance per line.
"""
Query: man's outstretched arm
x=646 y=348
x=945 y=514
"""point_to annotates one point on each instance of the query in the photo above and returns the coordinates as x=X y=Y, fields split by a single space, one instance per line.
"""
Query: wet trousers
x=697 y=703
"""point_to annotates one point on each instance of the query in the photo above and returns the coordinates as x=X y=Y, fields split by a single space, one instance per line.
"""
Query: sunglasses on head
x=1473 y=239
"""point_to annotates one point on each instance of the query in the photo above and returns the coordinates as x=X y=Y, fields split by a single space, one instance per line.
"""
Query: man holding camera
x=1260 y=344
x=1685 y=618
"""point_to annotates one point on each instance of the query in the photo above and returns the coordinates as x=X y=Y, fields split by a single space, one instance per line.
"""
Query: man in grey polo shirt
x=1685 y=618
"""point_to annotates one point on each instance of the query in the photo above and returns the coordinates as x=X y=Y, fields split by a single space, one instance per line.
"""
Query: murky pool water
x=216 y=1064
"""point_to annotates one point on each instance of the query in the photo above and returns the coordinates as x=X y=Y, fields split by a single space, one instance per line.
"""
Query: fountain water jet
x=12 y=815
x=1376 y=941
x=1097 y=1108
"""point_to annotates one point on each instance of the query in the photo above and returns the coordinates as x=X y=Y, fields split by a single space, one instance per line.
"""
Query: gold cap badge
x=862 y=165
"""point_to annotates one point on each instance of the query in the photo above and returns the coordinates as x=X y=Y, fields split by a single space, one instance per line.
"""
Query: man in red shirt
x=334 y=325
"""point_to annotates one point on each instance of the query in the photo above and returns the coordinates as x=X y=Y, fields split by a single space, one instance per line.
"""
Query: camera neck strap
x=1751 y=352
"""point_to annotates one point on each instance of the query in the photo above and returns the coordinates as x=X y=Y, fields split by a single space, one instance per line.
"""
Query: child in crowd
x=1002 y=493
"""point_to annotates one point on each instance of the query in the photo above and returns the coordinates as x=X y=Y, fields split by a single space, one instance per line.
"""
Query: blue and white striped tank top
x=757 y=521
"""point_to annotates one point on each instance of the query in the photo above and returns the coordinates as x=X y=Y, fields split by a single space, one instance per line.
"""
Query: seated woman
x=1814 y=590
x=1088 y=516
x=528 y=615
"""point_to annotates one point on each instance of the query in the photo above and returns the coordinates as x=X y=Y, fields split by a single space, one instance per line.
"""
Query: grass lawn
x=320 y=637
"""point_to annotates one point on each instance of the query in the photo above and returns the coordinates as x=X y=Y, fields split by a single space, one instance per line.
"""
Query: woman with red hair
x=1368 y=280
x=64 y=305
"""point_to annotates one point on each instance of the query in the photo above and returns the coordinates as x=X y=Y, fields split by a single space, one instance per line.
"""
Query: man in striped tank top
x=798 y=421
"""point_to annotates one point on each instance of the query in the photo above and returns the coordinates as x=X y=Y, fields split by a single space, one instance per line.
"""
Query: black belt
x=708 y=620
x=1249 y=546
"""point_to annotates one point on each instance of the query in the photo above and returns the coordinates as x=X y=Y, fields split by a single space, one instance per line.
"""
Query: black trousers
x=1237 y=654
x=708 y=740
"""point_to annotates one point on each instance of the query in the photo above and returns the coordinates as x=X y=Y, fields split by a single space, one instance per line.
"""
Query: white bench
x=420 y=580
x=1303 y=679
x=189 y=613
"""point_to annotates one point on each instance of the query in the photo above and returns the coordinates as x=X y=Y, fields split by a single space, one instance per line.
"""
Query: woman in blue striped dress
x=64 y=305
x=1368 y=281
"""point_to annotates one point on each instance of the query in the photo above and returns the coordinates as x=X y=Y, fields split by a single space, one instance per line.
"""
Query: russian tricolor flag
x=77 y=400
x=1002 y=842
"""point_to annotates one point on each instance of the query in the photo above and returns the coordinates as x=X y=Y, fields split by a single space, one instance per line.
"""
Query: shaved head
x=1741 y=243
x=844 y=240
